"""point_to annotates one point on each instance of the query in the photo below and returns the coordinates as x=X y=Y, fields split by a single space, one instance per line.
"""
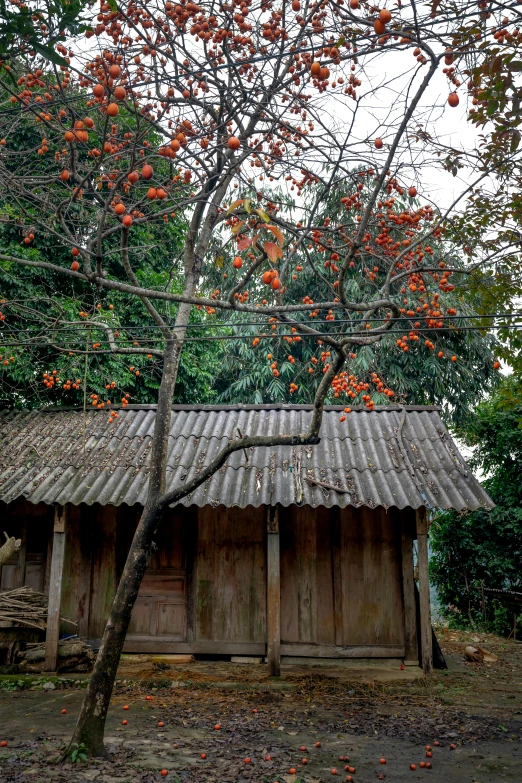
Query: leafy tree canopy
x=483 y=549
x=417 y=376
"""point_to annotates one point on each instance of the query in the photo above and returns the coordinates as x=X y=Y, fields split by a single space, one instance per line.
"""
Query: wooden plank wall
x=230 y=579
x=341 y=573
x=340 y=577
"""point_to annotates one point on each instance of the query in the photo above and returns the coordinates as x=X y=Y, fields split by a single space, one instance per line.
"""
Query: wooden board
x=341 y=578
x=103 y=520
x=76 y=593
x=273 y=592
x=230 y=580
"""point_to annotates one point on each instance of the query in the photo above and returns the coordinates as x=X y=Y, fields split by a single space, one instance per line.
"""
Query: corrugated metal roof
x=390 y=457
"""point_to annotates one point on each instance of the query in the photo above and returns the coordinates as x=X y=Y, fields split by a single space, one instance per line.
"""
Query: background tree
x=418 y=376
x=480 y=549
x=236 y=92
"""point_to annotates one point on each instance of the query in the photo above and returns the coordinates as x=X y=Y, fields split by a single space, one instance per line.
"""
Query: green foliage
x=78 y=754
x=24 y=28
x=478 y=549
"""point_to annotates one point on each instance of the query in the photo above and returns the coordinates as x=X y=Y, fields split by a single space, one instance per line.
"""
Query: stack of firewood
x=74 y=655
x=23 y=607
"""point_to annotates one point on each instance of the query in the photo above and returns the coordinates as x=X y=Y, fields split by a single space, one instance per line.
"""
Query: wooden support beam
x=408 y=594
x=424 y=591
x=22 y=553
x=55 y=590
x=273 y=593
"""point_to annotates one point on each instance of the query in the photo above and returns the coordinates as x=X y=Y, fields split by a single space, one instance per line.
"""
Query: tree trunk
x=90 y=727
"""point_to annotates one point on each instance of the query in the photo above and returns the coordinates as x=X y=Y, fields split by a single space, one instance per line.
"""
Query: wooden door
x=160 y=609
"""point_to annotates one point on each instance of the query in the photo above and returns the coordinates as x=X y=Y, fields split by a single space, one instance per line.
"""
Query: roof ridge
x=233 y=407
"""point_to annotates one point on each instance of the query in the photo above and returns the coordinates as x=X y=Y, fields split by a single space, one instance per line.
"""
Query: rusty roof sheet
x=386 y=457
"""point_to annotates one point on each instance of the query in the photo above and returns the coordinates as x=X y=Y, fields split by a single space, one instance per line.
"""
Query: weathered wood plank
x=103 y=583
x=352 y=577
x=190 y=537
x=205 y=575
x=77 y=569
x=273 y=592
x=424 y=591
x=22 y=552
x=324 y=594
x=337 y=587
x=289 y=576
x=55 y=592
x=347 y=651
x=225 y=619
x=408 y=590
x=305 y=521
x=136 y=644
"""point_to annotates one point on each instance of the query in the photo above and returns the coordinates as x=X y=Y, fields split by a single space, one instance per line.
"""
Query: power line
x=237 y=324
x=273 y=336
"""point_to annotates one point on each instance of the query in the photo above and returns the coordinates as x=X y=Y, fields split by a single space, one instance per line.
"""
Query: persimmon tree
x=243 y=117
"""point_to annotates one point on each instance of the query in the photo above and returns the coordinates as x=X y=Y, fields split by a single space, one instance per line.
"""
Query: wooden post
x=22 y=553
x=273 y=593
x=411 y=648
x=55 y=590
x=424 y=591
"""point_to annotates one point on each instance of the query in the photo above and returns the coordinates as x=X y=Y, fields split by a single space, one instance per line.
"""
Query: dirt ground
x=358 y=714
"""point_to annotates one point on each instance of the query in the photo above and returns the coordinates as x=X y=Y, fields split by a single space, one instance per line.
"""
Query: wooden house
x=296 y=552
